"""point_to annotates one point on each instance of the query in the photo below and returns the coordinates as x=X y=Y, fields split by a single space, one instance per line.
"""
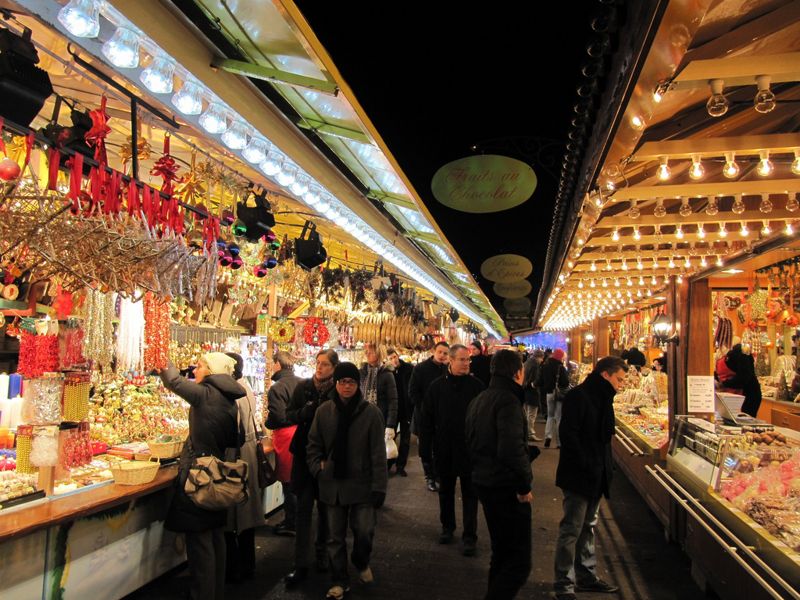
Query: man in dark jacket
x=635 y=357
x=442 y=440
x=479 y=363
x=347 y=456
x=497 y=438
x=421 y=378
x=553 y=375
x=284 y=382
x=531 y=368
x=308 y=396
x=402 y=376
x=584 y=475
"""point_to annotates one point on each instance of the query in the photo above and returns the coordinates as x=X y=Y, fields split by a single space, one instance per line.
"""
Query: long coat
x=306 y=399
x=251 y=513
x=366 y=454
x=212 y=430
x=402 y=376
x=387 y=392
x=443 y=419
x=587 y=426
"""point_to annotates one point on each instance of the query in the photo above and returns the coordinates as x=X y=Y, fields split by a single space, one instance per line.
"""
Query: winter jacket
x=551 y=371
x=279 y=396
x=442 y=426
x=421 y=378
x=479 y=367
x=301 y=410
x=587 y=426
x=387 y=392
x=744 y=378
x=212 y=429
x=532 y=367
x=250 y=513
x=402 y=376
x=366 y=454
x=497 y=437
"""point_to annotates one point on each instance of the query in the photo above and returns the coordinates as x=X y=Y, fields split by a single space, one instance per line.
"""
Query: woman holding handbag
x=555 y=383
x=213 y=429
x=240 y=536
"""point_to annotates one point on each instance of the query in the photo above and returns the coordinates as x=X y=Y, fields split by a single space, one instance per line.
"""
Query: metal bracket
x=240 y=67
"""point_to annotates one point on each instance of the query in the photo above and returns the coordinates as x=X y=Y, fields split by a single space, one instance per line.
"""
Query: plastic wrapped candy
x=44 y=447
x=43 y=399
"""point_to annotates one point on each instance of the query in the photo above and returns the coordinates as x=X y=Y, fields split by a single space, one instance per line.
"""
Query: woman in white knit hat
x=212 y=429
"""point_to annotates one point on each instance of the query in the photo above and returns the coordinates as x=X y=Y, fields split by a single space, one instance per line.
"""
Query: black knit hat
x=345 y=370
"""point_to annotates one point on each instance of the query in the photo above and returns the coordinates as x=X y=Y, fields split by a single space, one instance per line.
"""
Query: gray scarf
x=371 y=385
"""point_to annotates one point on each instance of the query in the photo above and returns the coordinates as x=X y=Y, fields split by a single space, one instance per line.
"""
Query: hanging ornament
x=96 y=136
x=281 y=331
x=156 y=332
x=9 y=169
x=190 y=188
x=166 y=168
x=271 y=262
x=130 y=336
x=315 y=333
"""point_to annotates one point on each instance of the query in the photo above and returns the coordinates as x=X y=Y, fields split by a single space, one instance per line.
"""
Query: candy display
x=16 y=485
x=43 y=399
x=642 y=406
x=44 y=448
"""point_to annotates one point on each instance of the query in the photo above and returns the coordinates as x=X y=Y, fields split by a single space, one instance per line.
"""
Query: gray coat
x=366 y=455
x=251 y=513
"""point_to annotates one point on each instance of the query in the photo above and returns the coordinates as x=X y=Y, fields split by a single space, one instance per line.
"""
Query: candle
x=14 y=385
x=3 y=386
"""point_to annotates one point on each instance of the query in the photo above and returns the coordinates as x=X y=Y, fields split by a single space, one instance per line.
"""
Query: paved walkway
x=409 y=564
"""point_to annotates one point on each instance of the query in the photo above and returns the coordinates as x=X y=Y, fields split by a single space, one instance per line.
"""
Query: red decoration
x=96 y=136
x=63 y=304
x=38 y=354
x=9 y=169
x=166 y=168
x=315 y=333
x=156 y=332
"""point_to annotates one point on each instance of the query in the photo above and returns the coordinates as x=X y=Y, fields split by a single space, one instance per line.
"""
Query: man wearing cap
x=347 y=455
x=479 y=363
x=554 y=375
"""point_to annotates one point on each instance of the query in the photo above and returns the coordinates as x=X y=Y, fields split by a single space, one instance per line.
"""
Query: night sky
x=439 y=80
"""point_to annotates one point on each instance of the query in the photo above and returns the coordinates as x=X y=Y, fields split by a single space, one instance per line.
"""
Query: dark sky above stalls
x=445 y=80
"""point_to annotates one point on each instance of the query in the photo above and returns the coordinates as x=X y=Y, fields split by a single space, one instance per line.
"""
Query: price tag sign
x=700 y=395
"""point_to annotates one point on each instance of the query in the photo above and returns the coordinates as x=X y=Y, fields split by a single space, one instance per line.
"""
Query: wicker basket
x=165 y=449
x=135 y=472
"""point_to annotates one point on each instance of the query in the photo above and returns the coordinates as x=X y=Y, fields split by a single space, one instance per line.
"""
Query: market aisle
x=409 y=563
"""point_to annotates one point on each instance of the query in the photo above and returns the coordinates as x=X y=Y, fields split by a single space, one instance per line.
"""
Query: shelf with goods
x=741 y=484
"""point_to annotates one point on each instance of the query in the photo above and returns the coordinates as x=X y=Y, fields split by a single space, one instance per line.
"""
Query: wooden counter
x=780 y=413
x=22 y=521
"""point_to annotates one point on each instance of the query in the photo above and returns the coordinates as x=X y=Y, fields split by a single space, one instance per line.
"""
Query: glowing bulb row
x=731 y=168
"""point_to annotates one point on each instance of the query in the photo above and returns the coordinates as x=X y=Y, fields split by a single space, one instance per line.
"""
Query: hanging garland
x=315 y=333
x=281 y=331
x=156 y=332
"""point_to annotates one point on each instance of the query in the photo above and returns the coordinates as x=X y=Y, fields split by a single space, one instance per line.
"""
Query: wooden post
x=601 y=341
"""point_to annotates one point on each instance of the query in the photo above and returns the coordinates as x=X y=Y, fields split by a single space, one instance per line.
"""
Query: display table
x=96 y=543
x=633 y=453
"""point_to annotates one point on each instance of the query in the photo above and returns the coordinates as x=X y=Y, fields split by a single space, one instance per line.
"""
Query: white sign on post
x=700 y=396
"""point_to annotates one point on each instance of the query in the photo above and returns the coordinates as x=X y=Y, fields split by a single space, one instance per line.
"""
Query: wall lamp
x=663 y=331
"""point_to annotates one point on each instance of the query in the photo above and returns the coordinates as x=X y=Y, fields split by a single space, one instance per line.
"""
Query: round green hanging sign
x=517 y=306
x=513 y=289
x=505 y=268
x=484 y=184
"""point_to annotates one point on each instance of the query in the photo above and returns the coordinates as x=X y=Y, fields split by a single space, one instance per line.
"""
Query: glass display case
x=642 y=413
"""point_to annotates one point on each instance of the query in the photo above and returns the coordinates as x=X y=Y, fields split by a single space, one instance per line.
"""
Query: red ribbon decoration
x=211 y=232
x=97 y=134
x=28 y=148
x=166 y=168
x=134 y=205
x=75 y=180
x=54 y=162
x=2 y=141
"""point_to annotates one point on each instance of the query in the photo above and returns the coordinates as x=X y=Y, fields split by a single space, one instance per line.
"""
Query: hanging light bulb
x=722 y=231
x=636 y=234
x=791 y=203
x=615 y=235
x=633 y=211
x=300 y=186
x=629 y=282
x=731 y=168
x=717 y=104
x=738 y=206
x=679 y=232
x=641 y=280
x=214 y=120
x=81 y=18
x=664 y=172
x=744 y=231
x=701 y=233
x=624 y=264
x=639 y=265
x=286 y=175
x=789 y=229
x=671 y=264
x=666 y=279
x=685 y=209
x=712 y=207
x=796 y=162
x=580 y=283
x=157 y=77
x=272 y=164
x=188 y=99
x=657 y=232
x=653 y=280
x=605 y=282
x=608 y=264
x=256 y=151
x=766 y=230
x=766 y=204
x=592 y=284
x=764 y=101
x=122 y=49
x=687 y=262
x=679 y=278
x=696 y=171
x=719 y=260
x=593 y=267
x=655 y=262
x=235 y=137
x=638 y=293
x=659 y=211
x=703 y=261
x=765 y=167
x=649 y=291
x=637 y=122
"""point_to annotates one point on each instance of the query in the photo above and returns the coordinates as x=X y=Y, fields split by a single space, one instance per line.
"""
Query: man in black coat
x=479 y=363
x=442 y=440
x=584 y=475
x=402 y=376
x=497 y=439
x=421 y=378
x=635 y=357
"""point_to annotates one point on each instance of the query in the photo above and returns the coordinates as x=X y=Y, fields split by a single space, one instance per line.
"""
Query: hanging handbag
x=215 y=484
x=265 y=464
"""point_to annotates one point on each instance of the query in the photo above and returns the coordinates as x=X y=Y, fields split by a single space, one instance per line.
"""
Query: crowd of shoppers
x=330 y=433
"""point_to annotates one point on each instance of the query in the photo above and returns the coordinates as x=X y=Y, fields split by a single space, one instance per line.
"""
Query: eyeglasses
x=347 y=382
